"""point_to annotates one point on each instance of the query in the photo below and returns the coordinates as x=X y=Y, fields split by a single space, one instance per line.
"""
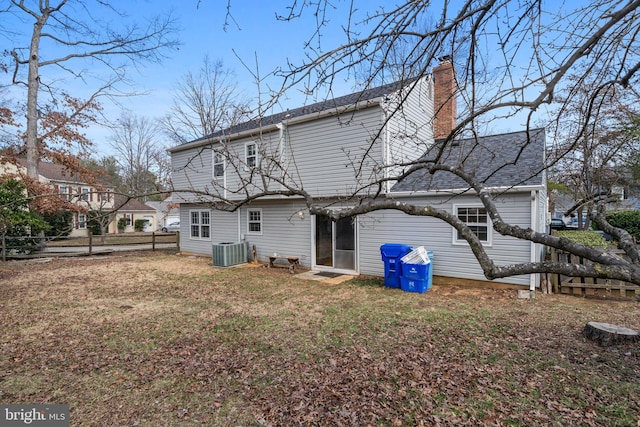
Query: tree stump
x=606 y=334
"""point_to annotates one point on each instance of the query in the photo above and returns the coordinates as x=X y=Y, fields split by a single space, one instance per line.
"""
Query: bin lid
x=394 y=249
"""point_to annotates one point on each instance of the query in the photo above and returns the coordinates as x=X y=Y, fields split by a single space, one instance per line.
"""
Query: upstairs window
x=251 y=154
x=218 y=165
x=477 y=219
x=65 y=192
x=85 y=194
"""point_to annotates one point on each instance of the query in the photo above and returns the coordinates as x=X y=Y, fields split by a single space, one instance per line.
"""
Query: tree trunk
x=606 y=334
x=33 y=151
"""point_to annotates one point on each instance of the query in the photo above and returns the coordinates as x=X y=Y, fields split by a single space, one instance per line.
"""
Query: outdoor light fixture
x=301 y=214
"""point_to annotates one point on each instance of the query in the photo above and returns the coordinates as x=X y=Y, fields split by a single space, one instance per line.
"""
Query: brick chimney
x=444 y=98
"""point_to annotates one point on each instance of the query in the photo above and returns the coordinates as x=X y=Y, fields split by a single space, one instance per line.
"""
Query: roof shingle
x=503 y=160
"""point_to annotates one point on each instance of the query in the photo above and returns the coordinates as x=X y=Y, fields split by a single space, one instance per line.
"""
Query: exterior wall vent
x=226 y=254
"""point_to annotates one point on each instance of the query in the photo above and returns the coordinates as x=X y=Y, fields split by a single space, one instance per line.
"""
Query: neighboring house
x=560 y=203
x=320 y=143
x=70 y=187
x=132 y=210
x=166 y=212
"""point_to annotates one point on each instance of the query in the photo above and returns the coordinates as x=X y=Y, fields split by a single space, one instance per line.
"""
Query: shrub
x=585 y=237
x=122 y=224
x=627 y=220
x=139 y=224
x=60 y=223
x=99 y=222
x=18 y=224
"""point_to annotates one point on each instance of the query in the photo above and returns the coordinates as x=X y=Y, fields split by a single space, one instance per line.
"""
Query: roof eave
x=465 y=191
x=272 y=127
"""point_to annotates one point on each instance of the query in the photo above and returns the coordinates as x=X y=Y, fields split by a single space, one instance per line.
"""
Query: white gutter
x=459 y=192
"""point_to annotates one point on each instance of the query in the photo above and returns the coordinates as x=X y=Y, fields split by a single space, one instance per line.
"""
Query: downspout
x=386 y=151
x=282 y=140
x=533 y=254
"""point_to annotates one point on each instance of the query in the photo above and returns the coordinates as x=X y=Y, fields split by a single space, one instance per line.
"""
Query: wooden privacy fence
x=585 y=286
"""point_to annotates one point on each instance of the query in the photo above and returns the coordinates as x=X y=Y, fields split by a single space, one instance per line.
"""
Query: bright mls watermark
x=34 y=415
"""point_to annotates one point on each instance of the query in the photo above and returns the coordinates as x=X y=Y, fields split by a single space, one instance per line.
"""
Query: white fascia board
x=460 y=192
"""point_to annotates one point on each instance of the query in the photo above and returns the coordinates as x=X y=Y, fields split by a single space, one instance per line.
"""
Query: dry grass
x=164 y=340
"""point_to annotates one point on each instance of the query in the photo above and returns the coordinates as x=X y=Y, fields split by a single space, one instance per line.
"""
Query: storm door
x=335 y=243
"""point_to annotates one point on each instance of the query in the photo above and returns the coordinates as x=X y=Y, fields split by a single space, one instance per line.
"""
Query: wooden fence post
x=153 y=241
x=178 y=240
x=90 y=243
x=4 y=248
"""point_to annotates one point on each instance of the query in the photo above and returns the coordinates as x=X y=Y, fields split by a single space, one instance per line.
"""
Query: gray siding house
x=330 y=149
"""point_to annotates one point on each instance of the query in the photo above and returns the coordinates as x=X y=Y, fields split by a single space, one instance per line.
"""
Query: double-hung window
x=64 y=192
x=85 y=194
x=200 y=224
x=254 y=221
x=218 y=165
x=251 y=154
x=477 y=219
x=82 y=221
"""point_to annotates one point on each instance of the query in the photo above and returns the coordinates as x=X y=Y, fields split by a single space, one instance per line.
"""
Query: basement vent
x=229 y=253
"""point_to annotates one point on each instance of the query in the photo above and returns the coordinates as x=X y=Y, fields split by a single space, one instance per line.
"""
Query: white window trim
x=87 y=192
x=214 y=163
x=255 y=156
x=199 y=237
x=454 y=232
x=255 y=233
x=82 y=223
x=64 y=191
x=129 y=218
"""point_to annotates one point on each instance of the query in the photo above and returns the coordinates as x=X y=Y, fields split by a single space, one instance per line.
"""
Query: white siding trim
x=461 y=191
x=533 y=278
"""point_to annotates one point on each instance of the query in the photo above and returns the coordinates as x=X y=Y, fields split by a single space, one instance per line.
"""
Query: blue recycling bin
x=416 y=277
x=391 y=254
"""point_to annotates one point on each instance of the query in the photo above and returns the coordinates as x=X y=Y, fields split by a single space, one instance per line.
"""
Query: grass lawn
x=165 y=340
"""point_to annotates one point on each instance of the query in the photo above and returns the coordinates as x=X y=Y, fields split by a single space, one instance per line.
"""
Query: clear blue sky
x=252 y=31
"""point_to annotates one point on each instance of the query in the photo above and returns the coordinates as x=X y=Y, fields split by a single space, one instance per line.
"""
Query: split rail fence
x=48 y=246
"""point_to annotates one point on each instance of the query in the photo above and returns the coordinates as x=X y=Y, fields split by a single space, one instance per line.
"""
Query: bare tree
x=204 y=102
x=512 y=59
x=592 y=144
x=140 y=157
x=81 y=36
